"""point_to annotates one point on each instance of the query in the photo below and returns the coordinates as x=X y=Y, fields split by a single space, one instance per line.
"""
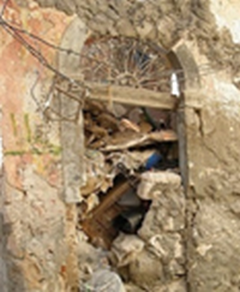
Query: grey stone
x=104 y=280
x=146 y=270
x=215 y=263
x=126 y=248
x=125 y=28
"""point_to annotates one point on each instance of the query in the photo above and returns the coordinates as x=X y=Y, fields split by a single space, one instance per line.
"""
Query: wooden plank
x=140 y=139
x=112 y=197
x=131 y=96
x=98 y=225
x=125 y=95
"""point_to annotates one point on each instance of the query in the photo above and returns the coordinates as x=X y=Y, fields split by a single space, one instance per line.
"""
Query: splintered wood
x=111 y=140
x=99 y=224
x=106 y=132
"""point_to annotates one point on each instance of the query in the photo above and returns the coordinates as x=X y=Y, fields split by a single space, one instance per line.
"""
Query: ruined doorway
x=122 y=113
x=130 y=113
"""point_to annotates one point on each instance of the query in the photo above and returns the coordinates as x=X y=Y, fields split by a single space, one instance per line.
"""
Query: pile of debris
x=121 y=143
x=152 y=259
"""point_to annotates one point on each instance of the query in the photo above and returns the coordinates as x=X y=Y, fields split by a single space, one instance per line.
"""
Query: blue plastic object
x=153 y=160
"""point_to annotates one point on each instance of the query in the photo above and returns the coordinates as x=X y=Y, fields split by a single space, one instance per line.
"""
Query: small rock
x=125 y=28
x=146 y=271
x=145 y=29
x=90 y=260
x=167 y=246
x=104 y=280
x=126 y=248
x=161 y=179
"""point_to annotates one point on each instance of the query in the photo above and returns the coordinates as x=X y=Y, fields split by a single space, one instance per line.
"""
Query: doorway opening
x=130 y=127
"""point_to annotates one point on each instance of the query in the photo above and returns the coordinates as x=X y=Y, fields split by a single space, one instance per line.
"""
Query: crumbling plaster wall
x=36 y=241
x=212 y=121
x=213 y=188
x=211 y=115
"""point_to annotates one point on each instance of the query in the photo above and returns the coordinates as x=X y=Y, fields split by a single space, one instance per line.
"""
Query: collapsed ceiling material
x=118 y=150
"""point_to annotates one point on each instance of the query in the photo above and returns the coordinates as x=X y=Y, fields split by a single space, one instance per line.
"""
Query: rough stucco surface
x=212 y=238
x=36 y=226
x=36 y=246
x=213 y=208
x=227 y=16
x=3 y=269
x=213 y=146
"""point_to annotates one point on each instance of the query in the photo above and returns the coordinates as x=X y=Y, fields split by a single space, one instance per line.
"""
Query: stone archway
x=180 y=59
x=212 y=146
x=206 y=162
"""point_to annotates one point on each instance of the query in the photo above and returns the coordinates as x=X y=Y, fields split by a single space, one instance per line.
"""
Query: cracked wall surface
x=214 y=187
x=36 y=226
x=211 y=118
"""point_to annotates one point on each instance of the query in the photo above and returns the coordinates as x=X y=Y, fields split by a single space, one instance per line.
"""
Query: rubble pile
x=153 y=259
x=120 y=144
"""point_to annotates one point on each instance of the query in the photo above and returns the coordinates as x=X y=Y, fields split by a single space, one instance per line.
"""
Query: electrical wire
x=17 y=34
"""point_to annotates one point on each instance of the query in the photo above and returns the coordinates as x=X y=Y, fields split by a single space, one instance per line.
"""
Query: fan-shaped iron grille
x=125 y=62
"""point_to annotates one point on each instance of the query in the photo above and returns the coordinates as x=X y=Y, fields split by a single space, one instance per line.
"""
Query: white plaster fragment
x=163 y=179
x=203 y=249
x=190 y=164
x=126 y=248
x=227 y=15
x=155 y=242
x=178 y=249
x=228 y=98
x=175 y=89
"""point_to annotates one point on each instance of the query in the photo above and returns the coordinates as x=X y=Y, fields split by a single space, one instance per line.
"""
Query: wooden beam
x=131 y=96
x=142 y=140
